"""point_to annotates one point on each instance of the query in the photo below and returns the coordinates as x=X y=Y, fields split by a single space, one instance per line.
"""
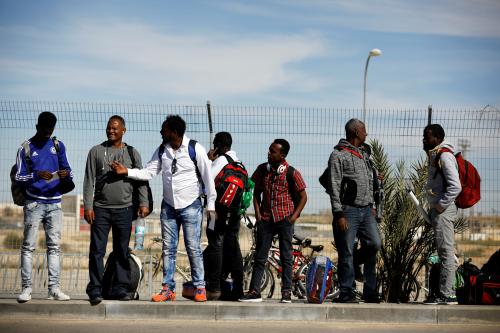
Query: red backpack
x=469 y=179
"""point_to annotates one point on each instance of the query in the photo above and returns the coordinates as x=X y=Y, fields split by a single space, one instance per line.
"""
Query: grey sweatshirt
x=351 y=177
x=102 y=187
x=442 y=187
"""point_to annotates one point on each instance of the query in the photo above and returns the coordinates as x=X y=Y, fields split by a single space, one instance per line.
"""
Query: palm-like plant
x=407 y=241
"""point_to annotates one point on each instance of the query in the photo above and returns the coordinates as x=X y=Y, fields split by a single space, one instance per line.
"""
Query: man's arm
x=22 y=175
x=204 y=165
x=64 y=167
x=300 y=206
x=142 y=188
x=257 y=192
x=153 y=167
x=88 y=187
x=449 y=169
x=336 y=174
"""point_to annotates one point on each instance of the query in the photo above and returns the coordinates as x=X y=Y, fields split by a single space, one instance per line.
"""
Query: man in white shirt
x=223 y=255
x=184 y=178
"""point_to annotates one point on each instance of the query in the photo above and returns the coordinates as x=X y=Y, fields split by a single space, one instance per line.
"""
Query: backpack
x=136 y=276
x=230 y=183
x=466 y=293
x=319 y=279
x=324 y=179
x=19 y=191
x=469 y=179
x=291 y=185
x=137 y=183
x=492 y=266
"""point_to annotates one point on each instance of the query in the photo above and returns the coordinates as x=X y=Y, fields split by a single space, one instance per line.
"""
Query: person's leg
x=445 y=244
x=121 y=227
x=344 y=242
x=232 y=258
x=371 y=243
x=212 y=256
x=33 y=215
x=285 y=235
x=170 y=240
x=53 y=226
x=263 y=244
x=191 y=219
x=99 y=231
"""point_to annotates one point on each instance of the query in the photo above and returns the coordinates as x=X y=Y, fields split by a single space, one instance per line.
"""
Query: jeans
x=119 y=220
x=445 y=245
x=265 y=232
x=361 y=223
x=190 y=218
x=223 y=255
x=50 y=216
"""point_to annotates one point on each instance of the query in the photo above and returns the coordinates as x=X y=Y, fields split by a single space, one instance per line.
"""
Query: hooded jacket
x=351 y=177
x=443 y=182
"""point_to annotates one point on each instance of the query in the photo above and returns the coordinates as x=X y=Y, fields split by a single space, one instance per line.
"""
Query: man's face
x=167 y=135
x=361 y=133
x=115 y=130
x=274 y=155
x=429 y=141
x=44 y=131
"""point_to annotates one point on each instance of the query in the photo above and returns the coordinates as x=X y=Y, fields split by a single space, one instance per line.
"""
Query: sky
x=271 y=53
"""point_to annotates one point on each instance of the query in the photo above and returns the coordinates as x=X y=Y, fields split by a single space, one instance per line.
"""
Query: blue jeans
x=119 y=221
x=361 y=223
x=50 y=216
x=190 y=218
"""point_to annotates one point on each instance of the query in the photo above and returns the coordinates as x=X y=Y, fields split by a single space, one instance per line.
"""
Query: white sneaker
x=57 y=295
x=25 y=295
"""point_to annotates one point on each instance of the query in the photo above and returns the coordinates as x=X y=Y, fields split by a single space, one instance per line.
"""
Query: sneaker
x=346 y=298
x=57 y=295
x=125 y=297
x=94 y=300
x=286 y=297
x=450 y=300
x=200 y=295
x=432 y=300
x=25 y=295
x=251 y=296
x=164 y=295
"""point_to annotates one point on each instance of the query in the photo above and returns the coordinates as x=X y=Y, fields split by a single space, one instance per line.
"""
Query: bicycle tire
x=299 y=287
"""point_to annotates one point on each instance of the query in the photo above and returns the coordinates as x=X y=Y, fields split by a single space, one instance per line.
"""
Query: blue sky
x=274 y=52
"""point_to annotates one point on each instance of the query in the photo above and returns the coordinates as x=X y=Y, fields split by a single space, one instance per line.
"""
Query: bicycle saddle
x=317 y=248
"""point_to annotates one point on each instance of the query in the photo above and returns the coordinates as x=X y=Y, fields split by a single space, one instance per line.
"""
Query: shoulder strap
x=228 y=158
x=161 y=149
x=27 y=153
x=130 y=151
x=192 y=155
x=289 y=178
x=352 y=151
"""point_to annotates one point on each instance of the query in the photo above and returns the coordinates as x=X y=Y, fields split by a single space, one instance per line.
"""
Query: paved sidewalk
x=267 y=310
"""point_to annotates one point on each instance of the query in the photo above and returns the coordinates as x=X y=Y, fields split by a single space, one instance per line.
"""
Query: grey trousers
x=445 y=245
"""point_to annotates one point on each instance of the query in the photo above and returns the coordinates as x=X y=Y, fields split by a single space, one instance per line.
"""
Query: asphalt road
x=111 y=326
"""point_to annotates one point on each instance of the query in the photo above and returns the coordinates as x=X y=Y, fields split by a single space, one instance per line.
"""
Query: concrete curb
x=268 y=310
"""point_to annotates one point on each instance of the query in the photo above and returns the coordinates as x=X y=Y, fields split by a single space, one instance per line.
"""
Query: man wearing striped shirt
x=279 y=198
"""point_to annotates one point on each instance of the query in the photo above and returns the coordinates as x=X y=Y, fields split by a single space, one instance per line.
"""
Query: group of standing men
x=114 y=171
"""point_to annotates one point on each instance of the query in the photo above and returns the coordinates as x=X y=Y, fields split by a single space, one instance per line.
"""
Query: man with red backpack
x=443 y=187
x=223 y=255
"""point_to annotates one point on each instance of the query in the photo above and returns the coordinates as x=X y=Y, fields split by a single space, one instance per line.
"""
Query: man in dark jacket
x=352 y=200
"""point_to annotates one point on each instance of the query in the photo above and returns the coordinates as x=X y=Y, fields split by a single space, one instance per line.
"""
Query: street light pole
x=373 y=53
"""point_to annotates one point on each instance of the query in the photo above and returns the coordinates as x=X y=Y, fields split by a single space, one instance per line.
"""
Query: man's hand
x=89 y=216
x=119 y=168
x=63 y=173
x=211 y=214
x=341 y=224
x=212 y=154
x=46 y=175
x=143 y=211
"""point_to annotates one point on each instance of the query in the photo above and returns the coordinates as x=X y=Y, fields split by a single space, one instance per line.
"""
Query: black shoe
x=286 y=297
x=95 y=300
x=347 y=299
x=125 y=298
x=251 y=296
x=432 y=300
x=213 y=295
x=372 y=299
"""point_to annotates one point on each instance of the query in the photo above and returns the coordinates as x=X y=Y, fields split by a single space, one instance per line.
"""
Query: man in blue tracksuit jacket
x=41 y=167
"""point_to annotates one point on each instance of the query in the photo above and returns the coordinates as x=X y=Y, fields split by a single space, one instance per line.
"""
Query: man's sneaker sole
x=24 y=300
x=253 y=300
x=286 y=301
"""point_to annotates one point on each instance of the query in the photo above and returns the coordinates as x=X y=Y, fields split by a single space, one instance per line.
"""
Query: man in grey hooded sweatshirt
x=443 y=187
x=352 y=200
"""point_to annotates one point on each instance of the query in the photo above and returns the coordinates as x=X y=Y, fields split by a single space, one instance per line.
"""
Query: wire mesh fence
x=312 y=133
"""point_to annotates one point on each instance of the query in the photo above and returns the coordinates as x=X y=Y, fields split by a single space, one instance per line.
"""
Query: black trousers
x=223 y=255
x=119 y=220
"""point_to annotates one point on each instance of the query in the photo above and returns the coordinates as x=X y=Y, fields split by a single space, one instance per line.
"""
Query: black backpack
x=137 y=183
x=466 y=293
x=230 y=184
x=136 y=276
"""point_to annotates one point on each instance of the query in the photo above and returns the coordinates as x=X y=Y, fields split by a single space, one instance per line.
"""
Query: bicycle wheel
x=299 y=283
x=414 y=289
x=267 y=281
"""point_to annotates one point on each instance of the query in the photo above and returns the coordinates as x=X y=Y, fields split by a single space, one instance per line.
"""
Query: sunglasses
x=173 y=169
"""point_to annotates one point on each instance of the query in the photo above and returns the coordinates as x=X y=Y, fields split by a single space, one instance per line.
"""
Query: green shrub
x=13 y=240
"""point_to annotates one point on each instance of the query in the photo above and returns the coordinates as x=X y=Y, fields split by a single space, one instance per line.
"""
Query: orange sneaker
x=200 y=295
x=164 y=295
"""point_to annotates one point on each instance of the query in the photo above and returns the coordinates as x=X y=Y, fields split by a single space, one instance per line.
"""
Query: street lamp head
x=375 y=52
